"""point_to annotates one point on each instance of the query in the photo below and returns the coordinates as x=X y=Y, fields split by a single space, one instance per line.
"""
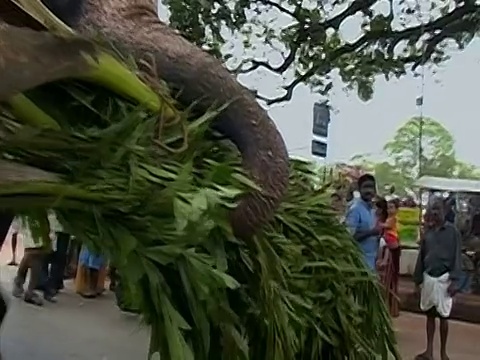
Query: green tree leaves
x=310 y=41
x=438 y=156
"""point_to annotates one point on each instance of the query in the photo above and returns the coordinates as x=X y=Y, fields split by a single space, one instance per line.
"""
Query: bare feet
x=425 y=356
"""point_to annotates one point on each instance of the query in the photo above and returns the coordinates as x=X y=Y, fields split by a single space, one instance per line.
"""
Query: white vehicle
x=465 y=195
x=466 y=192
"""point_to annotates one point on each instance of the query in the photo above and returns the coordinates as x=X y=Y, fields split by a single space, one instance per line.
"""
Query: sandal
x=33 y=299
x=50 y=297
x=17 y=291
x=88 y=295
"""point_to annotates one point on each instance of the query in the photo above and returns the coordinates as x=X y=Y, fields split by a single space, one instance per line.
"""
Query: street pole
x=419 y=103
x=420 y=136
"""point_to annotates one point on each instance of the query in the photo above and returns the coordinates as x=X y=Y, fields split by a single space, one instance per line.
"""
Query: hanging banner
x=319 y=148
x=321 y=118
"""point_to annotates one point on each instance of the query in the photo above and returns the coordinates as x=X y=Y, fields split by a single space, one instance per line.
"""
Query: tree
x=401 y=167
x=467 y=171
x=306 y=39
x=438 y=153
x=388 y=174
x=385 y=173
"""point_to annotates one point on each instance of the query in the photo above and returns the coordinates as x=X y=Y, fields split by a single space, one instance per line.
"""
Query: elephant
x=133 y=25
x=198 y=78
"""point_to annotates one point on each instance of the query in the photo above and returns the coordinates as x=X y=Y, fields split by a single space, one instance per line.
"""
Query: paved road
x=77 y=329
x=72 y=329
x=464 y=342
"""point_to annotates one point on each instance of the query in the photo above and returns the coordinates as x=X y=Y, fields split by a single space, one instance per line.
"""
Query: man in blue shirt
x=361 y=220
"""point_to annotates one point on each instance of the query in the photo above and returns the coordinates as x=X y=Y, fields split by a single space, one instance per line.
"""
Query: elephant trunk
x=201 y=78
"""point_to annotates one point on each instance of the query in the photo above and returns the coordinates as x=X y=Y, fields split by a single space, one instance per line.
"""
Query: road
x=78 y=329
x=464 y=341
x=72 y=329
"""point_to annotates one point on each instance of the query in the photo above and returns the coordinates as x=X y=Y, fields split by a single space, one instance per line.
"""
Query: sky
x=359 y=127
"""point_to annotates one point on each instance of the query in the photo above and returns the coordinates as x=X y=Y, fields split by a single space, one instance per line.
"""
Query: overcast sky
x=452 y=96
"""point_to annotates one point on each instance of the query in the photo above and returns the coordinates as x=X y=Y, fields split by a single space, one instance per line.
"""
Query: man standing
x=436 y=276
x=361 y=220
x=61 y=241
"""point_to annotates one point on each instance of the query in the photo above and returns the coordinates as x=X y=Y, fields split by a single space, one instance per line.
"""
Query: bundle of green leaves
x=158 y=208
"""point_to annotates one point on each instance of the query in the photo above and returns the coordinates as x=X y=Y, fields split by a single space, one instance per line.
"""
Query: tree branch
x=279 y=7
x=440 y=29
x=290 y=58
x=336 y=21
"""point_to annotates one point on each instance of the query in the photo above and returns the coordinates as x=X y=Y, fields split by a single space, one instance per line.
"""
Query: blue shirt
x=361 y=217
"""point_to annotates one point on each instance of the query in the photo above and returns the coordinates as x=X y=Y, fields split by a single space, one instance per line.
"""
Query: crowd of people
x=372 y=221
x=48 y=259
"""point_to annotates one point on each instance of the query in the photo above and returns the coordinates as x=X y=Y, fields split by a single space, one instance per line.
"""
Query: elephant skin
x=198 y=77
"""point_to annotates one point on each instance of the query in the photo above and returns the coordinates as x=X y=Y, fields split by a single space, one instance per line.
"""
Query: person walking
x=35 y=249
x=437 y=275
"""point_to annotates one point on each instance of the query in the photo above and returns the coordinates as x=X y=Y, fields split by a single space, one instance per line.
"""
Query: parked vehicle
x=462 y=199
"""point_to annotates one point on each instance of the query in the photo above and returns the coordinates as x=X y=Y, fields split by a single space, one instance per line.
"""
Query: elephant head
x=27 y=59
x=198 y=77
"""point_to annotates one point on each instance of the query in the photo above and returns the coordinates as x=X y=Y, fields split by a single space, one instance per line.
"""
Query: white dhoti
x=434 y=294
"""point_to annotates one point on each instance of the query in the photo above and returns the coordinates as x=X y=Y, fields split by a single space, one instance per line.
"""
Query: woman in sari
x=389 y=253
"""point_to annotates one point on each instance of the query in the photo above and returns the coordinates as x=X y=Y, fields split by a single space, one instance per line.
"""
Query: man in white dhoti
x=437 y=272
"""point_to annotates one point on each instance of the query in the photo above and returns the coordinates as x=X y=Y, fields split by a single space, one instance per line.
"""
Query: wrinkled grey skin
x=134 y=25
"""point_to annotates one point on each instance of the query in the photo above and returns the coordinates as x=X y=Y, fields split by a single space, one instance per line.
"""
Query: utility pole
x=420 y=136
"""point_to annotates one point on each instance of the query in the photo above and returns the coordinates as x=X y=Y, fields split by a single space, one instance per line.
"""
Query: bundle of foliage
x=297 y=290
x=151 y=187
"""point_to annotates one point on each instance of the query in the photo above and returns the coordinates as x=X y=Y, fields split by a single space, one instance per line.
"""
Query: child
x=436 y=275
x=35 y=250
x=389 y=257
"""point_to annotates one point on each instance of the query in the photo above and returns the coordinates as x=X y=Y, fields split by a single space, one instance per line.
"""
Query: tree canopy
x=311 y=41
x=438 y=153
x=401 y=167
